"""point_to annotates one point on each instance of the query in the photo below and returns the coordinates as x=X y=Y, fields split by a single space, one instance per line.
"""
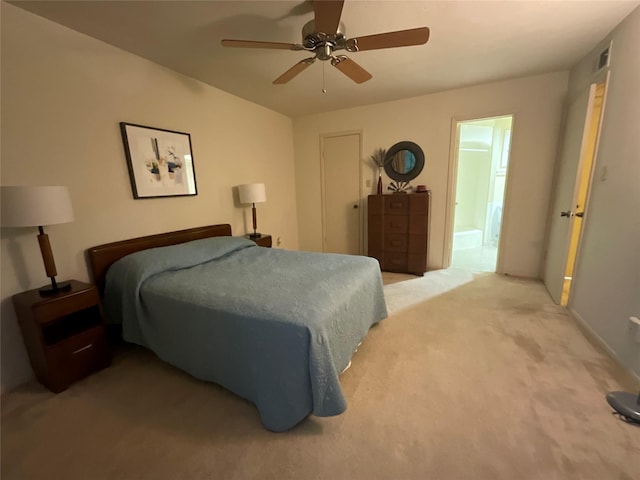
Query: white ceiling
x=471 y=42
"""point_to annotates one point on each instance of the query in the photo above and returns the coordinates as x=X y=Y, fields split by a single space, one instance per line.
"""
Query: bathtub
x=467 y=239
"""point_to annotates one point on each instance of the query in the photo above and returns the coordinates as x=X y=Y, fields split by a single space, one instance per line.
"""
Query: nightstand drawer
x=53 y=309
x=75 y=322
x=76 y=357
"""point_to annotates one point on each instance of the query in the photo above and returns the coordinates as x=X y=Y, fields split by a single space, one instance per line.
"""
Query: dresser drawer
x=376 y=224
x=395 y=242
x=419 y=204
x=417 y=244
x=376 y=241
x=418 y=225
x=395 y=262
x=396 y=224
x=417 y=264
x=375 y=204
x=397 y=204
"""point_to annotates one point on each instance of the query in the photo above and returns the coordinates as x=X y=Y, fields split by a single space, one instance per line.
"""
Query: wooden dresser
x=399 y=231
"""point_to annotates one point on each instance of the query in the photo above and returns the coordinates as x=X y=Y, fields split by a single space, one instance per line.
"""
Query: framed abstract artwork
x=160 y=161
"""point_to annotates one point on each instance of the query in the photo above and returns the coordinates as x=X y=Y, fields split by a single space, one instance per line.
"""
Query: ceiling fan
x=325 y=34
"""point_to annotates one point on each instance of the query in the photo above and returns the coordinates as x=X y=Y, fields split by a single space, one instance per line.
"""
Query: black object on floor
x=626 y=406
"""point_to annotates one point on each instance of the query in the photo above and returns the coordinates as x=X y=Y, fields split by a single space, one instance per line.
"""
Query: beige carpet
x=471 y=377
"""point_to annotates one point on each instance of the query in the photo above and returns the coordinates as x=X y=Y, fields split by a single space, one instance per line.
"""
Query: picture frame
x=160 y=161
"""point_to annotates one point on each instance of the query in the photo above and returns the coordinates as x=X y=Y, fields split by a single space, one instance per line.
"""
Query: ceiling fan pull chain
x=324 y=90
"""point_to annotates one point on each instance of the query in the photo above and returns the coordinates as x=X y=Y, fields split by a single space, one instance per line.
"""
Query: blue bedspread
x=273 y=326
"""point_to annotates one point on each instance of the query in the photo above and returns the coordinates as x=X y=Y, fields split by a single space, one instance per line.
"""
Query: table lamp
x=35 y=207
x=252 y=193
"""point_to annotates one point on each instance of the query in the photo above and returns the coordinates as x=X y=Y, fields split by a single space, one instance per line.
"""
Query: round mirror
x=404 y=161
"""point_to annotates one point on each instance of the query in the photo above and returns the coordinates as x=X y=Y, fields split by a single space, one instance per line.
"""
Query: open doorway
x=481 y=177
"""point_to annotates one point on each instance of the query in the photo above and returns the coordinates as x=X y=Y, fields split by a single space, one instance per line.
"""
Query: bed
x=275 y=327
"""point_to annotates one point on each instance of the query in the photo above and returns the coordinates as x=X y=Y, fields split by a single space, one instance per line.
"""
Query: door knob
x=567 y=214
x=580 y=214
x=355 y=206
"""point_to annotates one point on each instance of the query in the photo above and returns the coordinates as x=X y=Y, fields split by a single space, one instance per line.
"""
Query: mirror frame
x=415 y=171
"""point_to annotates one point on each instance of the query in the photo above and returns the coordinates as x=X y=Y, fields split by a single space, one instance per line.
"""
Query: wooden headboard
x=103 y=256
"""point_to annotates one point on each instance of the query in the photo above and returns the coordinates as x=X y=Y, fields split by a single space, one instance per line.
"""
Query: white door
x=562 y=214
x=341 y=193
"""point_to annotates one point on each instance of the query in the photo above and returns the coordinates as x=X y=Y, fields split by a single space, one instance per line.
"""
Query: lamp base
x=51 y=290
x=255 y=235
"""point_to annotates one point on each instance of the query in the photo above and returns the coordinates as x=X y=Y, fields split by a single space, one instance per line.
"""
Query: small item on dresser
x=400 y=187
x=421 y=188
x=379 y=159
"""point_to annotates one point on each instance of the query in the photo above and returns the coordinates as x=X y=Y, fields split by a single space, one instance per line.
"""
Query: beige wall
x=536 y=103
x=63 y=95
x=606 y=287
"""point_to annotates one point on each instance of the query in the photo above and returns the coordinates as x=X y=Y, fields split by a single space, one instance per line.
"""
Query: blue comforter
x=273 y=326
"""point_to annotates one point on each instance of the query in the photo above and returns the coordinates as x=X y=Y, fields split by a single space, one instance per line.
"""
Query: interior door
x=562 y=214
x=341 y=193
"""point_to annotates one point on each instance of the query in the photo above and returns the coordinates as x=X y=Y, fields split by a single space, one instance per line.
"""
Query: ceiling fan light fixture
x=311 y=37
x=324 y=51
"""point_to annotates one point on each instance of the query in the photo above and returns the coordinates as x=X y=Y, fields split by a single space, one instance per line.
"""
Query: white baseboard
x=590 y=332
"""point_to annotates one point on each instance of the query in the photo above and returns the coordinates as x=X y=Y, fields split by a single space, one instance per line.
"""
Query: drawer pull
x=82 y=349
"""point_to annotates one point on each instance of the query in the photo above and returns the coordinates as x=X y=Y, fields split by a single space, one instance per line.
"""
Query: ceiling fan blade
x=293 y=71
x=327 y=15
x=351 y=69
x=254 y=44
x=401 y=38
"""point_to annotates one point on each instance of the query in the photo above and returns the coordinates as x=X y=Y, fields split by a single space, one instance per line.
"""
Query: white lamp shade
x=35 y=206
x=252 y=193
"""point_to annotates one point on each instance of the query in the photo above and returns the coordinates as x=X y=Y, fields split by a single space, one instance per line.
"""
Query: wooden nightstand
x=262 y=240
x=64 y=334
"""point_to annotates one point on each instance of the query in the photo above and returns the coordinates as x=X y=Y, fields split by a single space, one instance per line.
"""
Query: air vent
x=603 y=60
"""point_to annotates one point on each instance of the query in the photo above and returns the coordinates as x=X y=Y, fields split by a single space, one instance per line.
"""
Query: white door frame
x=553 y=281
x=599 y=79
x=322 y=186
x=590 y=88
x=452 y=180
